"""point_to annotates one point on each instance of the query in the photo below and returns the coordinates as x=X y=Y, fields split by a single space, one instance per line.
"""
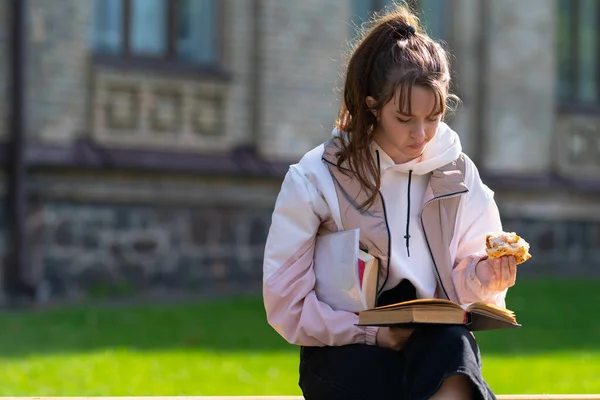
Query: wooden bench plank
x=549 y=397
x=500 y=397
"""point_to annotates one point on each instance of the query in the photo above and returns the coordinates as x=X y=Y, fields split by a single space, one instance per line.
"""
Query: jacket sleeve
x=477 y=216
x=291 y=305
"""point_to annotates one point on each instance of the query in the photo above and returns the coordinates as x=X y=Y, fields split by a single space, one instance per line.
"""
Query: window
x=433 y=17
x=432 y=13
x=578 y=41
x=167 y=30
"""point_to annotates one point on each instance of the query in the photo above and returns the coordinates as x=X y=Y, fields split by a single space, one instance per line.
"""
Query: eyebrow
x=433 y=114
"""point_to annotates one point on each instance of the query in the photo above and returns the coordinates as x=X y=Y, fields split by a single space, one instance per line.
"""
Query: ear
x=370 y=101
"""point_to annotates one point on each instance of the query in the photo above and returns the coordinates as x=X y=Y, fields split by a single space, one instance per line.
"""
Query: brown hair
x=392 y=53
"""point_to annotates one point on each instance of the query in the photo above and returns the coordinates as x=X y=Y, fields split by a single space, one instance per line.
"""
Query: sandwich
x=507 y=244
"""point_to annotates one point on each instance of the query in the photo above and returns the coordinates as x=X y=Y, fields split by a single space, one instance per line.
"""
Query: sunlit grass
x=226 y=347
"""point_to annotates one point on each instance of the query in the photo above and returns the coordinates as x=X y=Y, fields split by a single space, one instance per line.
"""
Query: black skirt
x=367 y=372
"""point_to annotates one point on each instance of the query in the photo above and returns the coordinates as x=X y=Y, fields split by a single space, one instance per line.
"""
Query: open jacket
x=456 y=212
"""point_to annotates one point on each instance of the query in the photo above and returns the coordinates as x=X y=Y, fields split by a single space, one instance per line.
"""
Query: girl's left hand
x=498 y=274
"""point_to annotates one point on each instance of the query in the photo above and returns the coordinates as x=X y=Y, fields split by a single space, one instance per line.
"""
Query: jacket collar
x=331 y=151
x=445 y=181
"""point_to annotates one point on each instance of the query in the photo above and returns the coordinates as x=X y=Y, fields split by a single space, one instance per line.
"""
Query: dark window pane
x=433 y=17
x=387 y=3
x=433 y=14
x=360 y=12
x=564 y=42
x=148 y=27
x=587 y=91
x=196 y=34
x=107 y=26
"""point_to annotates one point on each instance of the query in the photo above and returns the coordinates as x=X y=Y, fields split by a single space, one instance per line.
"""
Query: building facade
x=157 y=132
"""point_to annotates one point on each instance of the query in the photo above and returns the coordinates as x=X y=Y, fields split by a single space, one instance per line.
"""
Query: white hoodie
x=308 y=197
x=418 y=268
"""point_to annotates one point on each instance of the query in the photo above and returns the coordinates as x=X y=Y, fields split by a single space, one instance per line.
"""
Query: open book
x=475 y=316
x=346 y=276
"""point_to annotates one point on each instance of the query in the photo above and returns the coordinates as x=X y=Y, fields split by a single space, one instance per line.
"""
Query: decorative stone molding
x=577 y=149
x=166 y=110
x=149 y=110
x=122 y=108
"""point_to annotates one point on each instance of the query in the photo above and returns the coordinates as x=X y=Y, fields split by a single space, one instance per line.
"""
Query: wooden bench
x=500 y=397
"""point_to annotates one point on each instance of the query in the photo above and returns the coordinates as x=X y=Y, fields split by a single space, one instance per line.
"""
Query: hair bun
x=404 y=31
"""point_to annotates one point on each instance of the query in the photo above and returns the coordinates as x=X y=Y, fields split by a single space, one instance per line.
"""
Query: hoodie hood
x=444 y=148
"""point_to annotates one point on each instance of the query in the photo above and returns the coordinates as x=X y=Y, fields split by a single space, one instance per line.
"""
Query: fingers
x=505 y=272
x=513 y=270
x=496 y=283
x=506 y=276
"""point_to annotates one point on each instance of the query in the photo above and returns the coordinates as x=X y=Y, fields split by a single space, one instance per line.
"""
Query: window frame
x=168 y=60
x=571 y=105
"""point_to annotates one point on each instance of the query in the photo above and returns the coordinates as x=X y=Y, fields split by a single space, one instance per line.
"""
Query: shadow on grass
x=556 y=316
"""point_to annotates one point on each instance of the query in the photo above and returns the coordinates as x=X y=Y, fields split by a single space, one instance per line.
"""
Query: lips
x=418 y=145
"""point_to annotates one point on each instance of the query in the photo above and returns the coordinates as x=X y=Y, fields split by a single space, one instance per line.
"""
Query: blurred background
x=144 y=143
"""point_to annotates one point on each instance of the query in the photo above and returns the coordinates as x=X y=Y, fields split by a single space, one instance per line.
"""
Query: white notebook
x=341 y=280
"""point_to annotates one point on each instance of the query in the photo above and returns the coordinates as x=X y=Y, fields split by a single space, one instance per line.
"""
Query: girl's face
x=404 y=137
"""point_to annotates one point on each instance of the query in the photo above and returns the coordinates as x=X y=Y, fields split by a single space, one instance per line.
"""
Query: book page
x=419 y=303
x=369 y=278
x=493 y=311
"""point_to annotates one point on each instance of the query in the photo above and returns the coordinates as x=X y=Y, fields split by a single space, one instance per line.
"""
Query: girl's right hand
x=393 y=338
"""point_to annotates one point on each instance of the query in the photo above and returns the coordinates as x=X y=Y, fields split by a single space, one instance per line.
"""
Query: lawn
x=226 y=347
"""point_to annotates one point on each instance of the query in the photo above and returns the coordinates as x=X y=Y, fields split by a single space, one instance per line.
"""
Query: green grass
x=226 y=347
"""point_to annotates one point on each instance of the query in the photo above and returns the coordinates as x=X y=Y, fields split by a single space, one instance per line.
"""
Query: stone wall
x=560 y=247
x=562 y=227
x=112 y=235
x=198 y=240
x=115 y=250
x=124 y=250
x=202 y=239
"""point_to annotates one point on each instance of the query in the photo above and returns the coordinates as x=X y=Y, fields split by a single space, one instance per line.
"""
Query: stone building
x=158 y=131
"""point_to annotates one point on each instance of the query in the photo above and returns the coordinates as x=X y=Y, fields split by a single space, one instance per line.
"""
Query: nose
x=418 y=132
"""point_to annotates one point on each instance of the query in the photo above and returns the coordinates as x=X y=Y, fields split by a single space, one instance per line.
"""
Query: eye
x=434 y=119
x=403 y=121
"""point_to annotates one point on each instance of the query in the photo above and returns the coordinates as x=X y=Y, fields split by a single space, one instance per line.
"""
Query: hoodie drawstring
x=407 y=236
